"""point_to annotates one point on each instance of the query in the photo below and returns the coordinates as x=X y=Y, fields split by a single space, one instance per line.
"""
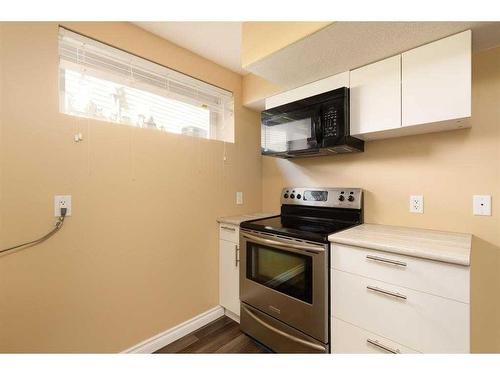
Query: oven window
x=284 y=271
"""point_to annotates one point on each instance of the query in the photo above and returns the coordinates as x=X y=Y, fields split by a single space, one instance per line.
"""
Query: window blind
x=103 y=82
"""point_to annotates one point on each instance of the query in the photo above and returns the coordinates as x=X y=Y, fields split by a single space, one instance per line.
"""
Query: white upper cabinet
x=436 y=81
x=375 y=97
x=424 y=90
x=311 y=89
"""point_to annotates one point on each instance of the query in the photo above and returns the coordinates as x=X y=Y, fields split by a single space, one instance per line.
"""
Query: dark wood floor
x=220 y=336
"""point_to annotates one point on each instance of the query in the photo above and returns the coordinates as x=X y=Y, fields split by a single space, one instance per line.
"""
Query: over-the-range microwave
x=314 y=126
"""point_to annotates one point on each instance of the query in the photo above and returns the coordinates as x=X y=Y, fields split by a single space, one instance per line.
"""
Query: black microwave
x=314 y=126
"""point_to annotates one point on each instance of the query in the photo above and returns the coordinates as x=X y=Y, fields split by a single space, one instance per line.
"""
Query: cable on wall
x=58 y=226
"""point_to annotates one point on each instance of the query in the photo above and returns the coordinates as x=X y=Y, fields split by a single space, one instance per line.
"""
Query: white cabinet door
x=311 y=89
x=375 y=97
x=229 y=281
x=436 y=81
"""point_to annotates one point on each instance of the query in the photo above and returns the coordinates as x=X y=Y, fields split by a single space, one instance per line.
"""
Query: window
x=286 y=272
x=101 y=82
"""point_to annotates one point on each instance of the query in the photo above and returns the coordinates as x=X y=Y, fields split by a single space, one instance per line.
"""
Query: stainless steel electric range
x=284 y=268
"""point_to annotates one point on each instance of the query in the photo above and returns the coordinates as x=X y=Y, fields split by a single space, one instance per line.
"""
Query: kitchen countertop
x=238 y=219
x=446 y=247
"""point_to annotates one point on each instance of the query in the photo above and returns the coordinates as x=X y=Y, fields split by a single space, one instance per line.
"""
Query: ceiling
x=344 y=46
x=219 y=42
x=336 y=48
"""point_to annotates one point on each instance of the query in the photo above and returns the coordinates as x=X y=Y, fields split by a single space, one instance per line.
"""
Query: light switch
x=481 y=205
x=239 y=197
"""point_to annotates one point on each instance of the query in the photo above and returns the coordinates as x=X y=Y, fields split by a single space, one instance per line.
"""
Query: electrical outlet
x=417 y=204
x=62 y=201
x=239 y=197
x=481 y=205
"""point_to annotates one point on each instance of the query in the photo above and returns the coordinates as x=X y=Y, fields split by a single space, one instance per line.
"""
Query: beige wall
x=140 y=253
x=256 y=89
x=137 y=257
x=448 y=168
x=260 y=39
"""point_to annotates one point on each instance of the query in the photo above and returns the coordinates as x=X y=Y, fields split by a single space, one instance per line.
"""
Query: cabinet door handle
x=236 y=258
x=383 y=291
x=228 y=228
x=377 y=344
x=385 y=260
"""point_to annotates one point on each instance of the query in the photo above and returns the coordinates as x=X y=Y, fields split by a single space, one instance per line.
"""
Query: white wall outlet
x=417 y=204
x=239 y=197
x=62 y=201
x=481 y=205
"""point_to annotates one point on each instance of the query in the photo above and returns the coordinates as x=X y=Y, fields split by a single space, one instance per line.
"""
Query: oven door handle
x=266 y=241
x=285 y=334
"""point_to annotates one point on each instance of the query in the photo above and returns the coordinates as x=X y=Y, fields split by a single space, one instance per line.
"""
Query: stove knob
x=341 y=198
x=298 y=196
x=285 y=196
x=351 y=198
x=292 y=196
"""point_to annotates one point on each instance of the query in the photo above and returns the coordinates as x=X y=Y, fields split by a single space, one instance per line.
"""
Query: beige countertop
x=238 y=219
x=446 y=247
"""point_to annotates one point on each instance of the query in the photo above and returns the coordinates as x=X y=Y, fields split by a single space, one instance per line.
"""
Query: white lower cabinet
x=229 y=276
x=349 y=339
x=391 y=302
x=427 y=323
x=432 y=277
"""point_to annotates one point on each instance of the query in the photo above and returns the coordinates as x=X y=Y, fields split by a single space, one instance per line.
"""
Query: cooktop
x=313 y=213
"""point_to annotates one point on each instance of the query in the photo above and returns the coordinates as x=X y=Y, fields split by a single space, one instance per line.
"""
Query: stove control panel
x=323 y=197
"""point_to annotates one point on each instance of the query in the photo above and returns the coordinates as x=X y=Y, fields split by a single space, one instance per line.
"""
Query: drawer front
x=229 y=232
x=426 y=323
x=441 y=279
x=349 y=339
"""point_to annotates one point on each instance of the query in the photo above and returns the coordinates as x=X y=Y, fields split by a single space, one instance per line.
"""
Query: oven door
x=286 y=279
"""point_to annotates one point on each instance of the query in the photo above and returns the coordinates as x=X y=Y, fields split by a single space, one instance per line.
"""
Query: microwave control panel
x=330 y=118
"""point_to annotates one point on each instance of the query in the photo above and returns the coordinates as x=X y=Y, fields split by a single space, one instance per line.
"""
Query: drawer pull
x=377 y=344
x=384 y=260
x=392 y=294
x=228 y=228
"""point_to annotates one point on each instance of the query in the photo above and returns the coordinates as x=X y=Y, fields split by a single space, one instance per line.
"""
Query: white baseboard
x=170 y=335
x=232 y=315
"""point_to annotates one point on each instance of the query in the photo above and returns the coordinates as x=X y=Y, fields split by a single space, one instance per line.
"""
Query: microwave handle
x=317 y=134
x=315 y=130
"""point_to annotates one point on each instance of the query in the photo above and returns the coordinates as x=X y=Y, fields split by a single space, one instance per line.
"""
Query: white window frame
x=99 y=60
